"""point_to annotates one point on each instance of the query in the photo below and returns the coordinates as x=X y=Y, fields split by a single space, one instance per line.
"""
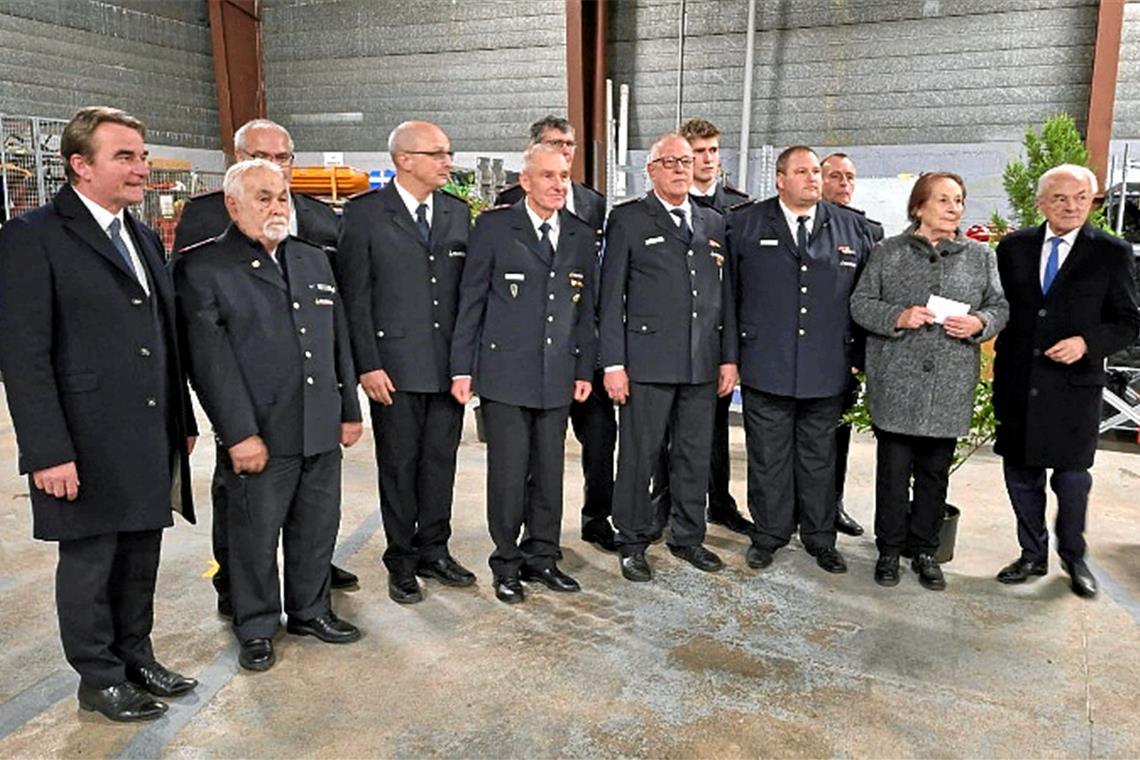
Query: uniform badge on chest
x=514 y=288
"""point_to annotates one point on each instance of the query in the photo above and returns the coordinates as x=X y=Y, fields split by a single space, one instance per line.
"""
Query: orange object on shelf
x=331 y=181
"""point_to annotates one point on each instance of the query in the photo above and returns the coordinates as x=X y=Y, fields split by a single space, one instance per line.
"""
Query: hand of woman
x=914 y=318
x=965 y=326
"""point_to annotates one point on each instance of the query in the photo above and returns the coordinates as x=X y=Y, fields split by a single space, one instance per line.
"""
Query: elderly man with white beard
x=270 y=360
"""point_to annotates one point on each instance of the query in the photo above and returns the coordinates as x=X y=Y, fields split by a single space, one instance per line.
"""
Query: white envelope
x=946 y=307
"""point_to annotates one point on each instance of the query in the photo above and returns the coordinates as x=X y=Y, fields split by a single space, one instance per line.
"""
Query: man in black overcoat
x=1072 y=302
x=399 y=263
x=270 y=360
x=668 y=348
x=100 y=405
x=524 y=341
x=205 y=217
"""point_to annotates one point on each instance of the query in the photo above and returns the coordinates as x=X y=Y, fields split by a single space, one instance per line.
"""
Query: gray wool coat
x=921 y=382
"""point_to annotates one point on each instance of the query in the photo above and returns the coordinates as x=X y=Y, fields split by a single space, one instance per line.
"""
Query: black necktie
x=684 y=228
x=802 y=234
x=422 y=222
x=544 y=241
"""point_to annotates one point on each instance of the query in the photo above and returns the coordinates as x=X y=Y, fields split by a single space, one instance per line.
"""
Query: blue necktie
x=1052 y=265
x=422 y=222
x=683 y=225
x=802 y=234
x=117 y=240
x=544 y=241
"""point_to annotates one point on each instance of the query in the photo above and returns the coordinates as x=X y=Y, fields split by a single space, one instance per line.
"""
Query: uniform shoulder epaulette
x=363 y=193
x=514 y=186
x=306 y=241
x=195 y=246
x=627 y=201
x=592 y=190
x=742 y=204
x=733 y=191
x=205 y=194
x=500 y=207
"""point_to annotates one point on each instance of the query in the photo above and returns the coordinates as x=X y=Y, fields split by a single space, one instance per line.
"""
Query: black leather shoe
x=341 y=579
x=887 y=570
x=225 y=606
x=257 y=654
x=830 y=560
x=551 y=577
x=404 y=589
x=1020 y=569
x=327 y=627
x=845 y=523
x=447 y=571
x=123 y=702
x=160 y=681
x=508 y=589
x=758 y=557
x=731 y=519
x=699 y=557
x=636 y=568
x=1083 y=581
x=600 y=534
x=929 y=573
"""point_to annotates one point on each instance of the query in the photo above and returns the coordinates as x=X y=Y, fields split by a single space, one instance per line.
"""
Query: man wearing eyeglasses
x=796 y=259
x=668 y=348
x=399 y=264
x=593 y=420
x=203 y=217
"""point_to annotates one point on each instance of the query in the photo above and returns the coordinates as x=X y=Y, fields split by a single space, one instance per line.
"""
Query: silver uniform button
x=379 y=333
x=552 y=275
x=803 y=310
x=435 y=325
x=308 y=354
x=433 y=281
x=144 y=351
x=549 y=317
x=151 y=402
x=549 y=341
x=801 y=331
x=301 y=330
x=551 y=296
x=309 y=380
x=435 y=302
x=431 y=258
x=694 y=315
x=803 y=289
x=136 y=302
x=296 y=305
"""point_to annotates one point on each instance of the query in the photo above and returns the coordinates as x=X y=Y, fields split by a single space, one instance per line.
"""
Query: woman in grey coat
x=922 y=366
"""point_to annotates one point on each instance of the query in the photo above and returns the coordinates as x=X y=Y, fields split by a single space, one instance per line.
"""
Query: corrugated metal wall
x=1126 y=124
x=861 y=72
x=149 y=57
x=481 y=70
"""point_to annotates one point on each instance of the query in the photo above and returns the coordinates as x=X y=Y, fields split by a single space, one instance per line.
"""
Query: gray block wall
x=150 y=57
x=341 y=75
x=1126 y=121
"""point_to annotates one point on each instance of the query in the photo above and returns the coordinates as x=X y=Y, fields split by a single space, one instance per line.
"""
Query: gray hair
x=552 y=122
x=234 y=185
x=1075 y=171
x=655 y=151
x=242 y=135
x=536 y=150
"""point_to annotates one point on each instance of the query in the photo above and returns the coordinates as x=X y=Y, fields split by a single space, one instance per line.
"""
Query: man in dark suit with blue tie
x=100 y=405
x=399 y=263
x=668 y=348
x=1072 y=303
x=796 y=259
x=524 y=341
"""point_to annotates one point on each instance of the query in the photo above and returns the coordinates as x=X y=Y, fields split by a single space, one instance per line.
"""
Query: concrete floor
x=789 y=661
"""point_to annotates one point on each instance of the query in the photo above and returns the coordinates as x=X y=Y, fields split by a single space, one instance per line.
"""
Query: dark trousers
x=595 y=427
x=525 y=465
x=651 y=409
x=791 y=467
x=104 y=596
x=219 y=531
x=296 y=499
x=719 y=498
x=902 y=521
x=843 y=443
x=416 y=442
x=1026 y=488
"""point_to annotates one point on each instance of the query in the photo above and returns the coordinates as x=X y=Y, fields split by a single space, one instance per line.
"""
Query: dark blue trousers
x=1026 y=488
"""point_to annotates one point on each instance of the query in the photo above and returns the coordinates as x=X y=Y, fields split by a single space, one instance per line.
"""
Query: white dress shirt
x=1063 y=250
x=792 y=218
x=103 y=218
x=694 y=190
x=411 y=202
x=538 y=221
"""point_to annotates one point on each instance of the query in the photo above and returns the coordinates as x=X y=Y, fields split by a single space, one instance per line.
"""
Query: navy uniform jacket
x=1048 y=412
x=401 y=293
x=525 y=330
x=267 y=357
x=796 y=334
x=92 y=371
x=874 y=229
x=722 y=199
x=666 y=308
x=204 y=216
x=589 y=204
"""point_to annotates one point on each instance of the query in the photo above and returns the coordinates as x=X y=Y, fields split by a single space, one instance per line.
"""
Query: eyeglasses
x=671 y=162
x=277 y=158
x=560 y=144
x=438 y=155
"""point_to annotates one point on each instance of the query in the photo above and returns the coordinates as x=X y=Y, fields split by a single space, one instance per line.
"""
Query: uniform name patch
x=323 y=302
x=766 y=242
x=654 y=240
x=455 y=254
x=514 y=277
